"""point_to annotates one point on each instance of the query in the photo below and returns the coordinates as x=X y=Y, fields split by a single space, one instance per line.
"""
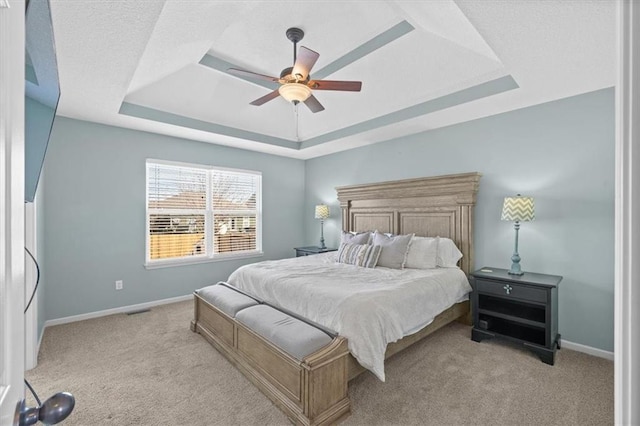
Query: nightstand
x=306 y=251
x=520 y=308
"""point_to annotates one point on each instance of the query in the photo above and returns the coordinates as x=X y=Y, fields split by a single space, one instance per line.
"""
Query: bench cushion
x=227 y=300
x=293 y=336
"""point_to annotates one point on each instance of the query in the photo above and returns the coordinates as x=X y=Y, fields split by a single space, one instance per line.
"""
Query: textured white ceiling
x=424 y=65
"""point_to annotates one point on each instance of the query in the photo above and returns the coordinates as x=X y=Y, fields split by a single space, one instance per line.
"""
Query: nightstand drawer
x=506 y=289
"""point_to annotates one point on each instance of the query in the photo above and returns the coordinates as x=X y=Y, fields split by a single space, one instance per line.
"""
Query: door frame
x=627 y=226
x=12 y=48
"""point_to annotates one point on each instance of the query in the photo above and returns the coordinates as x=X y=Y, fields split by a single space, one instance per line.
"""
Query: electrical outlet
x=119 y=285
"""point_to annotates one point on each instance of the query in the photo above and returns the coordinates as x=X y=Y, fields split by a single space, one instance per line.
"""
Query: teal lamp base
x=322 y=246
x=515 y=270
x=515 y=265
x=515 y=259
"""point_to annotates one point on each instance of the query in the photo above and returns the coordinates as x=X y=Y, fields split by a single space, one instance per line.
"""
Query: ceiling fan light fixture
x=295 y=92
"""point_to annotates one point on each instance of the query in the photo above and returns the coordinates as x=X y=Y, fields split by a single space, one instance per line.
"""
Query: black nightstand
x=306 y=251
x=523 y=309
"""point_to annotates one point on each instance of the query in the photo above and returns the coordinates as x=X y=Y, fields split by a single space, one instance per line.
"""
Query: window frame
x=209 y=214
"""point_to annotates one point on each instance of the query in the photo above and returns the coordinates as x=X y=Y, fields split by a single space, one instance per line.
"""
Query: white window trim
x=210 y=256
x=195 y=260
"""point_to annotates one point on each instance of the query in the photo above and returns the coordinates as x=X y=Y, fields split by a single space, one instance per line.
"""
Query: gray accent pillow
x=364 y=255
x=352 y=254
x=361 y=238
x=394 y=249
x=372 y=256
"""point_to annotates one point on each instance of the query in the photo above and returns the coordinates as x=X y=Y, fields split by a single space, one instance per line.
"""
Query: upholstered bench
x=293 y=336
x=227 y=299
x=301 y=367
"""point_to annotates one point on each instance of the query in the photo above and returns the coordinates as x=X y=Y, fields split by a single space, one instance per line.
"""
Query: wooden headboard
x=429 y=207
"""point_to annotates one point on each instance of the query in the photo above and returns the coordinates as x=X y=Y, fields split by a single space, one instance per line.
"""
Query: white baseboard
x=600 y=353
x=40 y=339
x=120 y=310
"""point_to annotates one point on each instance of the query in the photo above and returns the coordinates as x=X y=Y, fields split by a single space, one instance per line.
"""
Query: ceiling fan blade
x=313 y=104
x=347 y=86
x=249 y=74
x=266 y=98
x=305 y=60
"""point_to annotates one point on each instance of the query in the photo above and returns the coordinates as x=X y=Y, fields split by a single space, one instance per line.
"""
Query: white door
x=11 y=208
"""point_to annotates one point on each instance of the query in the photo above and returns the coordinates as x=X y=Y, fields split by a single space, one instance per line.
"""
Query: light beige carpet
x=150 y=369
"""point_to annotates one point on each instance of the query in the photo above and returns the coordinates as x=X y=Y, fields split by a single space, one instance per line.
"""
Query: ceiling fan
x=295 y=82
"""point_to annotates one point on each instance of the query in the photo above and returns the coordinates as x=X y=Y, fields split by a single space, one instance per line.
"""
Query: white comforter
x=370 y=307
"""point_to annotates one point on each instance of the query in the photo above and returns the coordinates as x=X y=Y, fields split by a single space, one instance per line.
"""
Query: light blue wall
x=561 y=153
x=38 y=119
x=95 y=215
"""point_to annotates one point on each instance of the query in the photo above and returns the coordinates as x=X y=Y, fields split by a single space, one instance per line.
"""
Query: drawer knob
x=507 y=288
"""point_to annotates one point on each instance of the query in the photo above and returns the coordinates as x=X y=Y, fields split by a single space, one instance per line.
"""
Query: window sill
x=185 y=262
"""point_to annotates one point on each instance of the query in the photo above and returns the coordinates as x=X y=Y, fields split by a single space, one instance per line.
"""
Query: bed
x=370 y=307
x=439 y=206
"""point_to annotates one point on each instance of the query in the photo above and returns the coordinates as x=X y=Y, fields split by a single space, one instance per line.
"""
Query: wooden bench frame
x=311 y=392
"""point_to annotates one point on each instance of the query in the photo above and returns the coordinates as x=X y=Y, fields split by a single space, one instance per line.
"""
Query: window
x=198 y=213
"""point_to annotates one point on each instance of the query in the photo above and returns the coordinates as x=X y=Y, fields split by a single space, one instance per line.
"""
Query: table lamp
x=322 y=212
x=517 y=209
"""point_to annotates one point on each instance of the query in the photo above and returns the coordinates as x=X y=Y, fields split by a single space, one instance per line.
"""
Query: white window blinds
x=197 y=212
x=235 y=212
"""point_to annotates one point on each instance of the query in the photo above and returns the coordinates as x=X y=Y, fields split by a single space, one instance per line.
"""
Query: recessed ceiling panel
x=411 y=69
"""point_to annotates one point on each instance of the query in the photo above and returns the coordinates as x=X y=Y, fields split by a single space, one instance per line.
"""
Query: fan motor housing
x=286 y=75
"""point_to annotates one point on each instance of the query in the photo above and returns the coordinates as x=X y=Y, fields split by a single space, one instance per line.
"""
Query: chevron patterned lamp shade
x=322 y=211
x=518 y=209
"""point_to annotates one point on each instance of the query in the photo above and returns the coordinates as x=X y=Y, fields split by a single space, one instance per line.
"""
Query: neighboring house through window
x=198 y=213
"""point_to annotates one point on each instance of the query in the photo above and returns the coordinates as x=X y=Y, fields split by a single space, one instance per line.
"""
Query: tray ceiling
x=162 y=66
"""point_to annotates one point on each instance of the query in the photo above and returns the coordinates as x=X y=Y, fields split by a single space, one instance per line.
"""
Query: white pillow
x=351 y=238
x=448 y=253
x=423 y=253
x=394 y=249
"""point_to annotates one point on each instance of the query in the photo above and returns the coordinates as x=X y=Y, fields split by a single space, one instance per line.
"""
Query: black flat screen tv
x=42 y=90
